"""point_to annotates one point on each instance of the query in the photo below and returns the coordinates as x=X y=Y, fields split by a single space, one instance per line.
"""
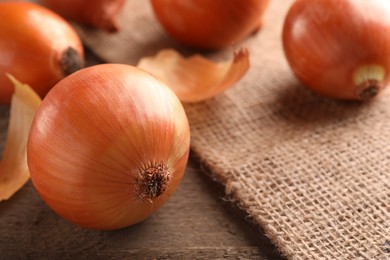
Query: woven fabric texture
x=313 y=173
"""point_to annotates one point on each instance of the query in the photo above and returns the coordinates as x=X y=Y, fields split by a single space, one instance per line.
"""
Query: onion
x=101 y=14
x=37 y=47
x=210 y=24
x=339 y=49
x=108 y=146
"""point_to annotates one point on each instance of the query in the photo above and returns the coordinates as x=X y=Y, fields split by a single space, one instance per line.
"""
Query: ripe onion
x=339 y=49
x=37 y=46
x=210 y=24
x=108 y=146
x=98 y=13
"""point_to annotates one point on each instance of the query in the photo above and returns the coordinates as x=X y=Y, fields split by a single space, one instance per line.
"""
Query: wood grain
x=197 y=223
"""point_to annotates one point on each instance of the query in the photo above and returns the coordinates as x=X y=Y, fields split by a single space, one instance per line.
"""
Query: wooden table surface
x=198 y=222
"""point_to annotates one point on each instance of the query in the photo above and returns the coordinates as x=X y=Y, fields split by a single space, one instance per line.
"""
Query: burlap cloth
x=312 y=173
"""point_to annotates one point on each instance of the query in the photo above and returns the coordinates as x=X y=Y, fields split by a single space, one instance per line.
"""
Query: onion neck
x=152 y=181
x=369 y=89
x=369 y=81
x=71 y=61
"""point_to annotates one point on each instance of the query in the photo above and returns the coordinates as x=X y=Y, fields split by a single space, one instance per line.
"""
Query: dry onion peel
x=13 y=166
x=196 y=78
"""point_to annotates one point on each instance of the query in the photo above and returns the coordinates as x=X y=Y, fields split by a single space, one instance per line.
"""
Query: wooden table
x=198 y=222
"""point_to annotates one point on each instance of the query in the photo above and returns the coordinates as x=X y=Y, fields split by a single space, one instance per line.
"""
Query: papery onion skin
x=101 y=14
x=108 y=146
x=210 y=24
x=37 y=46
x=196 y=78
x=339 y=49
x=13 y=165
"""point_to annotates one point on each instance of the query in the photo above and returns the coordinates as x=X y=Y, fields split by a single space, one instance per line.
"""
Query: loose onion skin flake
x=339 y=49
x=195 y=78
x=13 y=165
x=210 y=24
x=111 y=153
x=37 y=46
x=100 y=14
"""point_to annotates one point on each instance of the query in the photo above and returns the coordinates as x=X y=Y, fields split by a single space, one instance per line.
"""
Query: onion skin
x=339 y=49
x=13 y=164
x=37 y=46
x=111 y=153
x=210 y=24
x=101 y=14
x=196 y=78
